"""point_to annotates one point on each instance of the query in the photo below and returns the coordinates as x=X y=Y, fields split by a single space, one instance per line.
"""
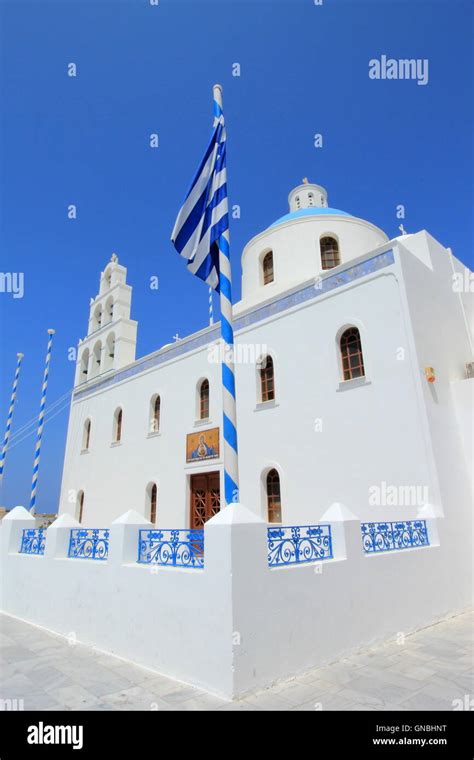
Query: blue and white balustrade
x=390 y=536
x=171 y=548
x=89 y=543
x=298 y=544
x=33 y=541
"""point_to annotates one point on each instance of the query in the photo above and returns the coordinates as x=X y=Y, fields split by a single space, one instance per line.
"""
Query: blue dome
x=309 y=212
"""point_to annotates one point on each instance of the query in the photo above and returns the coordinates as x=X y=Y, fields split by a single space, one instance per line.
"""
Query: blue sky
x=145 y=69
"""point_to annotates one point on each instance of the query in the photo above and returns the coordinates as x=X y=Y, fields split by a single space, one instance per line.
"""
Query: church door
x=205 y=498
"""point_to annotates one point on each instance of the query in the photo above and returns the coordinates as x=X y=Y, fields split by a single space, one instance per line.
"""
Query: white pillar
x=345 y=531
x=123 y=540
x=13 y=524
x=236 y=561
x=58 y=536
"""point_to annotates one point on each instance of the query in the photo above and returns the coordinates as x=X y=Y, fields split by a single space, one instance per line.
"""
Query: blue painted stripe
x=224 y=246
x=230 y=433
x=227 y=332
x=226 y=288
x=228 y=379
x=230 y=489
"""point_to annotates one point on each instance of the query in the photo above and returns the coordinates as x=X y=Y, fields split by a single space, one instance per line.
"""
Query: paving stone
x=135 y=698
x=75 y=697
x=423 y=701
x=433 y=667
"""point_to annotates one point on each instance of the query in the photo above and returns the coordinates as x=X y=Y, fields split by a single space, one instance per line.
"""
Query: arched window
x=86 y=436
x=310 y=199
x=298 y=202
x=109 y=352
x=267 y=379
x=273 y=497
x=155 y=412
x=152 y=499
x=84 y=365
x=204 y=400
x=118 y=425
x=109 y=309
x=267 y=268
x=96 y=359
x=80 y=505
x=351 y=354
x=98 y=317
x=330 y=256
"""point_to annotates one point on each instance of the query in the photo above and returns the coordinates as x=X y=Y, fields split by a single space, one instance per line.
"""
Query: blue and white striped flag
x=204 y=216
x=201 y=235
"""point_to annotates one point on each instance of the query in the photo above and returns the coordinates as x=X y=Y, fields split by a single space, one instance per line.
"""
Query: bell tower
x=111 y=339
x=307 y=195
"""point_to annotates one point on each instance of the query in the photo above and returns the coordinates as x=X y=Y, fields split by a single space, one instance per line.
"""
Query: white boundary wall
x=237 y=625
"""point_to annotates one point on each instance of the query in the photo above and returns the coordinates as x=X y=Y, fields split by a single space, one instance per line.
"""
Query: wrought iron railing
x=389 y=536
x=298 y=544
x=89 y=543
x=33 y=541
x=175 y=548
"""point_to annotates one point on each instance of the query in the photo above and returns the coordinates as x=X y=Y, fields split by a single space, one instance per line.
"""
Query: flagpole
x=39 y=435
x=10 y=415
x=231 y=460
x=211 y=310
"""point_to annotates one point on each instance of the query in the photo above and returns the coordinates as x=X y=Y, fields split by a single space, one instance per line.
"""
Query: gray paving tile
x=376 y=688
x=433 y=667
x=135 y=698
x=75 y=697
x=423 y=701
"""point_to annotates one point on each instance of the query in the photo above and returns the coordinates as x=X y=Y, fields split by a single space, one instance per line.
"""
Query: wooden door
x=205 y=498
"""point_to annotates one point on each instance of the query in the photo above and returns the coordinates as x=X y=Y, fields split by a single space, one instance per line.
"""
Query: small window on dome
x=298 y=202
x=330 y=256
x=310 y=199
x=267 y=268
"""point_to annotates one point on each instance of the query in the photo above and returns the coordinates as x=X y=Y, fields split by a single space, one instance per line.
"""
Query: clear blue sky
x=145 y=69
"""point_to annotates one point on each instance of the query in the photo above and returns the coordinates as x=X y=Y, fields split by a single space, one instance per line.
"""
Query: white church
x=354 y=381
x=352 y=352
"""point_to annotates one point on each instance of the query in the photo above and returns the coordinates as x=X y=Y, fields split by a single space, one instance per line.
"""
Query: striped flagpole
x=10 y=415
x=39 y=435
x=211 y=310
x=231 y=459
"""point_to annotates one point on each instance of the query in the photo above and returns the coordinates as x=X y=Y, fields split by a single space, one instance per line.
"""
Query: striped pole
x=231 y=459
x=10 y=415
x=211 y=310
x=39 y=435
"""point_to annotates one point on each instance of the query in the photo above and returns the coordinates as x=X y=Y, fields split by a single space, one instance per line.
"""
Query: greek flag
x=204 y=217
x=201 y=235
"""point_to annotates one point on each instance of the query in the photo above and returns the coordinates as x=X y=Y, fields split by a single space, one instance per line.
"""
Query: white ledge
x=272 y=404
x=357 y=382
x=206 y=421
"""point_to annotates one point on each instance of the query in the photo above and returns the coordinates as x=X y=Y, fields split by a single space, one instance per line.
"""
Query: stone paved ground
x=430 y=670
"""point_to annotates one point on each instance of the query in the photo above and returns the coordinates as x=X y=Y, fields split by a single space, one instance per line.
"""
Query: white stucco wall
x=236 y=625
x=329 y=440
x=296 y=252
